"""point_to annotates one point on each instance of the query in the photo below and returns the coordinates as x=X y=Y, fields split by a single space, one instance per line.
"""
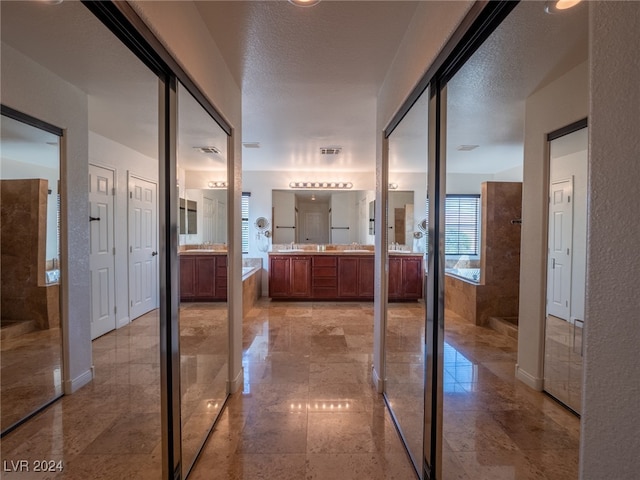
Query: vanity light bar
x=331 y=185
x=217 y=184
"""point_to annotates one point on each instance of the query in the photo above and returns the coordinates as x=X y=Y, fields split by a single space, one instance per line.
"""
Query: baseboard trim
x=122 y=322
x=73 y=385
x=236 y=383
x=378 y=383
x=534 y=382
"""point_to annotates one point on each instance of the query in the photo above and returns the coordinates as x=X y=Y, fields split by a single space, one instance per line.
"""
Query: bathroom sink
x=287 y=250
x=201 y=250
x=357 y=250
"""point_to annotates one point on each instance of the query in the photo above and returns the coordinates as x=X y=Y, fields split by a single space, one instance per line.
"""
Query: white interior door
x=102 y=254
x=560 y=249
x=143 y=246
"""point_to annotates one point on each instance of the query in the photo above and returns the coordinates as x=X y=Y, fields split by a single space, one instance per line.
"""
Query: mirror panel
x=322 y=216
x=405 y=324
x=30 y=348
x=203 y=314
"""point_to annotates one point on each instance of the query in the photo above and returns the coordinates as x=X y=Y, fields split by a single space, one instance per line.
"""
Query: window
x=462 y=232
x=245 y=222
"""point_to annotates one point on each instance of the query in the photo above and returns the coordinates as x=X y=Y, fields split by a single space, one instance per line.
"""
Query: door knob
x=153 y=254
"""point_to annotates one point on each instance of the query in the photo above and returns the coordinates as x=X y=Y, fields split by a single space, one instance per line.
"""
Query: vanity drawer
x=322 y=261
x=325 y=281
x=324 y=272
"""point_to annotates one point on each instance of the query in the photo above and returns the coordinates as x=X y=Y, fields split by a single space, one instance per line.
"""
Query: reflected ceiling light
x=208 y=150
x=330 y=150
x=466 y=148
x=321 y=185
x=558 y=6
x=213 y=184
x=304 y=3
x=251 y=144
x=52 y=2
x=313 y=198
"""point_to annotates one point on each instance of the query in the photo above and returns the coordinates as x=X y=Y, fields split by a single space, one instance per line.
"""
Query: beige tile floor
x=307 y=410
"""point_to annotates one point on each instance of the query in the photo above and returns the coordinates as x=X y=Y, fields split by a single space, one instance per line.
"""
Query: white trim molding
x=236 y=383
x=73 y=385
x=378 y=383
x=534 y=382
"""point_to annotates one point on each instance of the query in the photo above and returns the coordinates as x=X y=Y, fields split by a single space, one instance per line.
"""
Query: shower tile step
x=15 y=328
x=507 y=326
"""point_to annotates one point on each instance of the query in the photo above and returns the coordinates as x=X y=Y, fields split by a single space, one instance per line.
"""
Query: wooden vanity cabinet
x=203 y=278
x=341 y=277
x=355 y=277
x=405 y=278
x=289 y=276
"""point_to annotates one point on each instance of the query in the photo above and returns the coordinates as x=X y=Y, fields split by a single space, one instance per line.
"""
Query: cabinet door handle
x=94 y=219
x=153 y=254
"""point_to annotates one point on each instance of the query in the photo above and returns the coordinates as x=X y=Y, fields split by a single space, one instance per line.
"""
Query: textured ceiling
x=309 y=76
x=309 y=79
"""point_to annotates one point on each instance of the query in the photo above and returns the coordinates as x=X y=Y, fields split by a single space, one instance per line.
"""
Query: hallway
x=307 y=409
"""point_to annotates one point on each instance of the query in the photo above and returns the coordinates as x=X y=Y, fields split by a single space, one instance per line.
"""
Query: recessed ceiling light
x=558 y=6
x=466 y=148
x=251 y=144
x=304 y=3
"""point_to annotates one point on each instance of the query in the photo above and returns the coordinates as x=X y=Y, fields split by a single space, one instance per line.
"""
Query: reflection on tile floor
x=204 y=339
x=494 y=426
x=307 y=410
x=110 y=428
x=404 y=343
x=30 y=374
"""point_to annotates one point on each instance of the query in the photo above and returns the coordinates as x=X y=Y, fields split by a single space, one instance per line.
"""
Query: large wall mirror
x=405 y=322
x=203 y=315
x=317 y=216
x=31 y=351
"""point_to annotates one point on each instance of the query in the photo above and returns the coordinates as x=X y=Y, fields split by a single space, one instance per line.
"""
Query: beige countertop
x=340 y=252
x=202 y=252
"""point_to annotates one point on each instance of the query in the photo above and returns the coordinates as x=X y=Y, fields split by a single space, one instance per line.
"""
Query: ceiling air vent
x=251 y=144
x=330 y=150
x=466 y=148
x=208 y=150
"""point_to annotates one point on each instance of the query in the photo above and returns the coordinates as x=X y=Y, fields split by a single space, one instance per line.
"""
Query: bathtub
x=246 y=271
x=251 y=287
x=468 y=274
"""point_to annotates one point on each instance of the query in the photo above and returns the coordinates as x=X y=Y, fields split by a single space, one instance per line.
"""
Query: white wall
x=31 y=89
x=611 y=398
x=558 y=104
x=108 y=153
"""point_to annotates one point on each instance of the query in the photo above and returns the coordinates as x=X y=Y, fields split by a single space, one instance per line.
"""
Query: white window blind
x=245 y=221
x=462 y=230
